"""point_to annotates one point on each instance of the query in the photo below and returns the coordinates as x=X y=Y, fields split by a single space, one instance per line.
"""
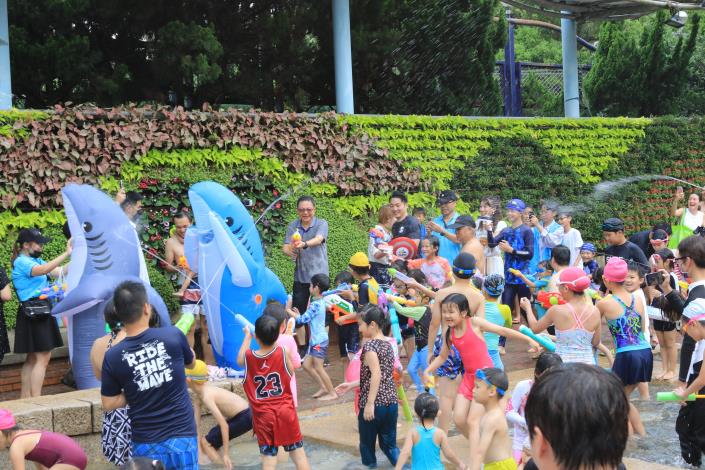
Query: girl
x=494 y=258
x=46 y=449
x=378 y=250
x=633 y=283
x=435 y=268
x=38 y=335
x=492 y=289
x=378 y=395
x=425 y=442
x=421 y=317
x=518 y=402
x=625 y=319
x=466 y=334
x=577 y=322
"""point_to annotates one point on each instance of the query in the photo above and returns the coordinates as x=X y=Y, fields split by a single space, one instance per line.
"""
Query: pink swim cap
x=574 y=279
x=615 y=270
x=7 y=421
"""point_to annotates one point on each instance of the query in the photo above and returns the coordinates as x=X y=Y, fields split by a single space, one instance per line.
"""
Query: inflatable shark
x=226 y=247
x=105 y=253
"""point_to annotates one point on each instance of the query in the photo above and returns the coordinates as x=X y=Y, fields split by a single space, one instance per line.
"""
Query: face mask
x=35 y=254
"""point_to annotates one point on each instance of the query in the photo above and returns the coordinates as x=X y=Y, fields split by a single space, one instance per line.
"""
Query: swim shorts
x=453 y=366
x=237 y=426
x=506 y=464
x=318 y=350
x=177 y=453
x=272 y=451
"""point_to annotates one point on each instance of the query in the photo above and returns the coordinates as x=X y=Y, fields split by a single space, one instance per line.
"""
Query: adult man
x=549 y=230
x=309 y=253
x=642 y=239
x=450 y=246
x=190 y=293
x=146 y=372
x=690 y=424
x=618 y=245
x=517 y=243
x=132 y=205
x=406 y=225
x=464 y=228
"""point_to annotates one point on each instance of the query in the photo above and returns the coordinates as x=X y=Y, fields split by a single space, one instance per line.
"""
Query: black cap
x=463 y=221
x=28 y=235
x=613 y=224
x=445 y=197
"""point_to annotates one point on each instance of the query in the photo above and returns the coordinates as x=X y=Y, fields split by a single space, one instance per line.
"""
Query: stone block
x=30 y=415
x=91 y=396
x=71 y=417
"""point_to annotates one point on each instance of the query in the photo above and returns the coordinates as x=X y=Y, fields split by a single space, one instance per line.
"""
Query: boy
x=420 y=214
x=587 y=254
x=348 y=332
x=232 y=414
x=360 y=269
x=495 y=449
x=267 y=385
x=315 y=315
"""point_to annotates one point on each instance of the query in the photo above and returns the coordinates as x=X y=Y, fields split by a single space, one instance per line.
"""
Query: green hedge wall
x=529 y=158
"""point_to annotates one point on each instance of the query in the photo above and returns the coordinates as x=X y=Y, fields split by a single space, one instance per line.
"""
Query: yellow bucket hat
x=199 y=373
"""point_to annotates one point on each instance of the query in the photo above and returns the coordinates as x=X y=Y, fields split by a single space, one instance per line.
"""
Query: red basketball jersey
x=268 y=388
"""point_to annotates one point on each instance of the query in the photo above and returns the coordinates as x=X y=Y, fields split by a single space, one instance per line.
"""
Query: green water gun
x=670 y=396
x=185 y=322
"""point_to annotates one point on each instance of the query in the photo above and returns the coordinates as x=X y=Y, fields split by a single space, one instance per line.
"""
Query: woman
x=36 y=332
x=5 y=295
x=690 y=216
x=494 y=258
x=117 y=433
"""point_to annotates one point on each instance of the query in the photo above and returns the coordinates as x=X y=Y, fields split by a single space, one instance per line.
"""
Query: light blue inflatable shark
x=105 y=253
x=226 y=247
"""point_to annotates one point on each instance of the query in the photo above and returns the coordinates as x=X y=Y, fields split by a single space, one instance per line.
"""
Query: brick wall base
x=10 y=375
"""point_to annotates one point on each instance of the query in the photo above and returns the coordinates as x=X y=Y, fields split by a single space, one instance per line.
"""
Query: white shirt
x=573 y=240
x=696 y=307
x=692 y=221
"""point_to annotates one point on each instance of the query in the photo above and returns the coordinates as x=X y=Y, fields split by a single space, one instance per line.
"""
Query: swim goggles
x=480 y=375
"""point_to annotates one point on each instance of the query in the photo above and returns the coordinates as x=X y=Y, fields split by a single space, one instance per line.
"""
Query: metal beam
x=343 y=57
x=571 y=93
x=5 y=81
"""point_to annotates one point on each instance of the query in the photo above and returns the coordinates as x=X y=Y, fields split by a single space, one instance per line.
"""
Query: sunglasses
x=480 y=375
x=680 y=258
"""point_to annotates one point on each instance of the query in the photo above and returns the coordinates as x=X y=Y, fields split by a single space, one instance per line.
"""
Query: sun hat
x=199 y=372
x=615 y=270
x=7 y=420
x=574 y=279
x=359 y=260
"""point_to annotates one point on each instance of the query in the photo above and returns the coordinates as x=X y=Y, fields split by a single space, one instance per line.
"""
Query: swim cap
x=615 y=270
x=588 y=247
x=517 y=205
x=494 y=285
x=359 y=260
x=199 y=373
x=574 y=279
x=464 y=265
x=7 y=421
x=613 y=224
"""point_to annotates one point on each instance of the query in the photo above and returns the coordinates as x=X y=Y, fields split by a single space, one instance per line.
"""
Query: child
x=665 y=306
x=420 y=214
x=318 y=344
x=425 y=442
x=287 y=341
x=267 y=385
x=378 y=248
x=492 y=289
x=378 y=395
x=495 y=448
x=587 y=254
x=45 y=448
x=368 y=288
x=232 y=414
x=421 y=317
x=435 y=268
x=625 y=319
x=348 y=334
x=518 y=402
x=633 y=283
x=466 y=334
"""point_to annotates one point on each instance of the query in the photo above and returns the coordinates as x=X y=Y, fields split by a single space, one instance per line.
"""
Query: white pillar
x=5 y=83
x=343 y=57
x=571 y=89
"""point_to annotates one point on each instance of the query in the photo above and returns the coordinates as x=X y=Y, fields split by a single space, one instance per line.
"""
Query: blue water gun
x=341 y=288
x=54 y=292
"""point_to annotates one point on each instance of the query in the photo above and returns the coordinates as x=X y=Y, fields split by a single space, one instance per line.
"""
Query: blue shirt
x=26 y=285
x=316 y=316
x=521 y=239
x=448 y=249
x=536 y=259
x=493 y=315
x=149 y=369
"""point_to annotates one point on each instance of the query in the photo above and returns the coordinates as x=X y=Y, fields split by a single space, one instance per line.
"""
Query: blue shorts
x=453 y=366
x=177 y=453
x=319 y=351
x=272 y=451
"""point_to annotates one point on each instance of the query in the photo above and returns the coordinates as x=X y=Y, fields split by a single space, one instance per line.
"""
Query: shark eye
x=229 y=221
x=87 y=227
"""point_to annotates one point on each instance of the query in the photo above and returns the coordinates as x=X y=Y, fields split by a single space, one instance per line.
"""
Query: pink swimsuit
x=53 y=448
x=473 y=353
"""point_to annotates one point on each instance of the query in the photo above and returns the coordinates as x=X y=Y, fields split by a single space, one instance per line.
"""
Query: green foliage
x=12 y=123
x=11 y=222
x=161 y=283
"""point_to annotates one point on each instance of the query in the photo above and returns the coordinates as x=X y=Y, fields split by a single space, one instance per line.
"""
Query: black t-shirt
x=408 y=227
x=4 y=281
x=628 y=251
x=641 y=239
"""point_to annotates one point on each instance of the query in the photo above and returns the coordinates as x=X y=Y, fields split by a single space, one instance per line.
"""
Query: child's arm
x=523 y=277
x=244 y=347
x=345 y=387
x=431 y=294
x=186 y=283
x=411 y=312
x=694 y=387
x=17 y=454
x=372 y=361
x=607 y=353
x=448 y=451
x=224 y=429
x=308 y=315
x=406 y=449
x=536 y=326
x=484 y=325
x=489 y=428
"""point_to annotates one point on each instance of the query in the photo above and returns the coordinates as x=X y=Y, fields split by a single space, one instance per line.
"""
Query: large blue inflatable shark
x=226 y=247
x=105 y=253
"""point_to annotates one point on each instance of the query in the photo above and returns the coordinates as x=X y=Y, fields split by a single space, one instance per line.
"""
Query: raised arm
x=244 y=347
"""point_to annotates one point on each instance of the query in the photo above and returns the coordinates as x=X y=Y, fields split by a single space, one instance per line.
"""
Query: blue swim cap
x=588 y=247
x=516 y=204
x=493 y=285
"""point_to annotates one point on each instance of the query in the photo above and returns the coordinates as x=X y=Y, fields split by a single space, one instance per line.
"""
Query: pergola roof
x=602 y=9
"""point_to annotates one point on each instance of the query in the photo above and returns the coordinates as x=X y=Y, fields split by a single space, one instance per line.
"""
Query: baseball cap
x=615 y=270
x=659 y=235
x=463 y=221
x=28 y=235
x=445 y=197
x=516 y=204
x=359 y=260
x=588 y=247
x=574 y=279
x=7 y=420
x=199 y=372
x=613 y=224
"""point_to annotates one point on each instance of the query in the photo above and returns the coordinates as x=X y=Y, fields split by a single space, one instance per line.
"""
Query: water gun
x=670 y=396
x=549 y=299
x=430 y=385
x=183 y=263
x=593 y=294
x=683 y=285
x=394 y=319
x=54 y=292
x=520 y=274
x=399 y=275
x=185 y=322
x=339 y=307
x=245 y=323
x=391 y=298
x=401 y=395
x=341 y=288
x=296 y=238
x=290 y=327
x=546 y=343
